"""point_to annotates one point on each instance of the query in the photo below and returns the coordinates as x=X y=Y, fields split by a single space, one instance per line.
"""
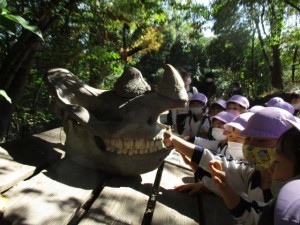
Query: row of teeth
x=133 y=147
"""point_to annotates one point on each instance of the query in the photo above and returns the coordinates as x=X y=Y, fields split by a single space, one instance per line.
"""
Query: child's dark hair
x=294 y=95
x=289 y=146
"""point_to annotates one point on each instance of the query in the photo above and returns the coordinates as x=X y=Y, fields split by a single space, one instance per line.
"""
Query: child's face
x=283 y=168
x=295 y=100
x=234 y=106
x=234 y=135
x=260 y=152
x=217 y=124
x=261 y=142
x=215 y=109
x=196 y=104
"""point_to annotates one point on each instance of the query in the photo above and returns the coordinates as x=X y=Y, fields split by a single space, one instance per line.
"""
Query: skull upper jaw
x=84 y=148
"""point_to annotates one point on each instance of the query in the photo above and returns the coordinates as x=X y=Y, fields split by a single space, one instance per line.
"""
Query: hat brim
x=237 y=102
x=257 y=133
x=219 y=118
x=294 y=124
x=235 y=125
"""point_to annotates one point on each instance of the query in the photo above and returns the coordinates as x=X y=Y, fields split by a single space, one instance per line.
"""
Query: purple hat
x=285 y=105
x=295 y=123
x=255 y=108
x=239 y=99
x=199 y=97
x=274 y=101
x=239 y=122
x=270 y=122
x=287 y=208
x=221 y=103
x=224 y=116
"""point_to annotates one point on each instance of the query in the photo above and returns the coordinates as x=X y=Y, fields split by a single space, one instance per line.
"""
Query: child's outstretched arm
x=179 y=144
x=230 y=197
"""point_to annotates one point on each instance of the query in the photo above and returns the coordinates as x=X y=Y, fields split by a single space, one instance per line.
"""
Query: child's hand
x=192 y=188
x=218 y=176
x=168 y=139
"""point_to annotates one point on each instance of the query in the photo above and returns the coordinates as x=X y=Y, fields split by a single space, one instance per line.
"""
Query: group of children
x=245 y=155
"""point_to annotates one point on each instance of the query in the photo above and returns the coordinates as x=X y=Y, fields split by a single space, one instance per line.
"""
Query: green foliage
x=9 y=22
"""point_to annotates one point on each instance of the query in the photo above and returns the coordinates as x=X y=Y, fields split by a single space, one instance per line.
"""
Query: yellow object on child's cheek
x=259 y=157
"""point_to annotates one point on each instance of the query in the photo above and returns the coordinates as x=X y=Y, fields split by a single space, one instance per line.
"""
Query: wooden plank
x=173 y=207
x=21 y=158
x=52 y=196
x=175 y=158
x=12 y=172
x=213 y=210
x=122 y=201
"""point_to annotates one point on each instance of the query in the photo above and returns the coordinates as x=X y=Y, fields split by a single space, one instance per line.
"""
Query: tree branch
x=292 y=5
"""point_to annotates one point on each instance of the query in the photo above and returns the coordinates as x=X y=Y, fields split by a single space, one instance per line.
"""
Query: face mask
x=217 y=134
x=259 y=157
x=196 y=110
x=233 y=112
x=209 y=79
x=296 y=106
x=236 y=150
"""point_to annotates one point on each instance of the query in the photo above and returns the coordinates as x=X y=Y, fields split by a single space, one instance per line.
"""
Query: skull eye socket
x=151 y=121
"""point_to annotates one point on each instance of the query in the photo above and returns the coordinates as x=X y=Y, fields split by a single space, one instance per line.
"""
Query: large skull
x=116 y=131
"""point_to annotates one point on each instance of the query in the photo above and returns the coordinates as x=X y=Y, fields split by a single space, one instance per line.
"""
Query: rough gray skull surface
x=116 y=131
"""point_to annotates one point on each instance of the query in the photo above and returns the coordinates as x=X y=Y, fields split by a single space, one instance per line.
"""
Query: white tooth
x=128 y=144
x=147 y=146
x=152 y=147
x=130 y=152
x=119 y=151
x=137 y=144
x=158 y=145
x=119 y=144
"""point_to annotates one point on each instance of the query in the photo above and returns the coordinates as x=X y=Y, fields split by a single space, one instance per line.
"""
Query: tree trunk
x=294 y=64
x=277 y=68
x=17 y=65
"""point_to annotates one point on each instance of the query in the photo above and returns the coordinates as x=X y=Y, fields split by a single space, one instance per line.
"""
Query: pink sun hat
x=224 y=116
x=239 y=99
x=239 y=122
x=199 y=97
x=285 y=105
x=270 y=122
x=274 y=101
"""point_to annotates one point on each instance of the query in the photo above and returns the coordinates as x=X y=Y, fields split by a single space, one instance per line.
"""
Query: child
x=196 y=124
x=235 y=142
x=179 y=115
x=294 y=100
x=216 y=107
x=262 y=133
x=219 y=144
x=285 y=105
x=244 y=189
x=286 y=167
x=273 y=101
x=237 y=104
x=235 y=139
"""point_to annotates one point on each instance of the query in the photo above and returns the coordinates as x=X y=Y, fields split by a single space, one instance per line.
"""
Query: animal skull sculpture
x=116 y=131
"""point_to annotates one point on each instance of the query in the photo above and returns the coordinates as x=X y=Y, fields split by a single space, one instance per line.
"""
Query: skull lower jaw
x=122 y=156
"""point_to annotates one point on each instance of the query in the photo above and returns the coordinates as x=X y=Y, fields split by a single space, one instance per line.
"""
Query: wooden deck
x=44 y=187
